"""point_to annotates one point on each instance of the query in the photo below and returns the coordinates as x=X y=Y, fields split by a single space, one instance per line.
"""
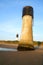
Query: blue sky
x=11 y=18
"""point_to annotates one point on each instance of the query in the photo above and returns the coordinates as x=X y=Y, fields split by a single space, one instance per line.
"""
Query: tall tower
x=26 y=33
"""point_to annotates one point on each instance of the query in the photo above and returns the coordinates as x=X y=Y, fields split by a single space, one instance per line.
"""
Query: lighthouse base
x=25 y=47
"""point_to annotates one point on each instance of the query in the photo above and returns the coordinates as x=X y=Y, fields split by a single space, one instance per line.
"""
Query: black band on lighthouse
x=28 y=10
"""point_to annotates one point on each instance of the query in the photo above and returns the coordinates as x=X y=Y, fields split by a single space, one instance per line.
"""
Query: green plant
x=39 y=43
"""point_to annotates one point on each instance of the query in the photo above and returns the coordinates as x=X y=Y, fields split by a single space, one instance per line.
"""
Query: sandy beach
x=9 y=45
x=21 y=57
x=34 y=57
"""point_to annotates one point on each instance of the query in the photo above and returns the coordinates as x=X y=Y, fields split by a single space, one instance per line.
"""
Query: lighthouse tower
x=26 y=38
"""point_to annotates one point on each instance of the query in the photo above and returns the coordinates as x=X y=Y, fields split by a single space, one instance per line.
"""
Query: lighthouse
x=26 y=38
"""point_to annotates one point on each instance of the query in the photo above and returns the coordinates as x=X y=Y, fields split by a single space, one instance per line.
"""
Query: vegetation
x=9 y=42
x=39 y=43
x=17 y=42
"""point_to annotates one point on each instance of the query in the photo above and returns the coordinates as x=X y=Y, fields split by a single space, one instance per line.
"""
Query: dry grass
x=36 y=43
x=9 y=42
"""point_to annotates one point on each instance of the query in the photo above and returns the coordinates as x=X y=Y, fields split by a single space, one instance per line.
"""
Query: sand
x=9 y=45
x=34 y=57
x=21 y=57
